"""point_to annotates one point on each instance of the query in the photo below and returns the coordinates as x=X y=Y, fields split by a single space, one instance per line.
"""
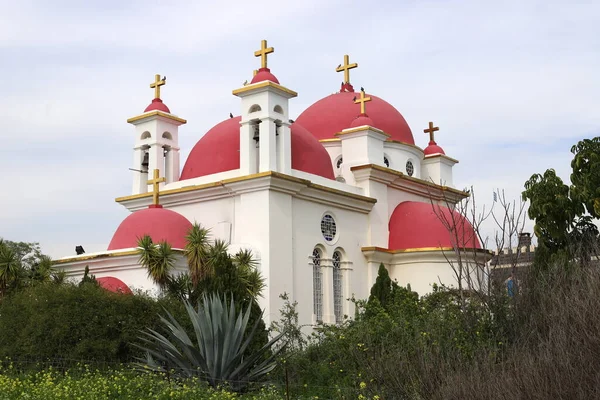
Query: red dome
x=114 y=285
x=157 y=104
x=336 y=112
x=219 y=150
x=416 y=225
x=433 y=149
x=159 y=223
x=264 y=74
x=362 y=120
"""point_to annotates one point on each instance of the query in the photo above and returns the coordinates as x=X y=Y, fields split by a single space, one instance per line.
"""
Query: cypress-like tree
x=383 y=288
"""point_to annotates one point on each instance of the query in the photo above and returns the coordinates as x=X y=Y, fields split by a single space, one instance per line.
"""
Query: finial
x=362 y=101
x=262 y=53
x=346 y=68
x=157 y=84
x=155 y=186
x=431 y=131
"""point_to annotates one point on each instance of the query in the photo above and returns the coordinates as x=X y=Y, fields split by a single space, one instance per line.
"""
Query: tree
x=23 y=264
x=211 y=270
x=382 y=289
x=565 y=215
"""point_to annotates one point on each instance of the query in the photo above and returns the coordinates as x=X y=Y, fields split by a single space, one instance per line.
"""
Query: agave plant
x=216 y=353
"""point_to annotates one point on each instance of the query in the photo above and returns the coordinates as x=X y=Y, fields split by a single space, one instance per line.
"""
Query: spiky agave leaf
x=217 y=353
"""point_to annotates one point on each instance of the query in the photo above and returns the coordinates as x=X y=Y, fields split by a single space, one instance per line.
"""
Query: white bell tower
x=156 y=141
x=265 y=135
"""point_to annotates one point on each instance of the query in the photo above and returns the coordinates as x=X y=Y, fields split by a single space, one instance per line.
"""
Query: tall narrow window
x=317 y=285
x=337 y=287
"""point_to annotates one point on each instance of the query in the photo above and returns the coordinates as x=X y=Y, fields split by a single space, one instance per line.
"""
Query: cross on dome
x=346 y=68
x=362 y=102
x=262 y=53
x=157 y=84
x=431 y=131
x=155 y=186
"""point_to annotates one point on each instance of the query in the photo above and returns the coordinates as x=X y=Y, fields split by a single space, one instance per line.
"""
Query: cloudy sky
x=512 y=85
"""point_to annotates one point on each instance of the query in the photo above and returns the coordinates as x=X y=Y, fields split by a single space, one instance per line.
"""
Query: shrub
x=76 y=323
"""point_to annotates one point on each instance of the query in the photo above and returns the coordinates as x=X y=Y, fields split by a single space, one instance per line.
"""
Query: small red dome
x=336 y=112
x=264 y=74
x=219 y=150
x=362 y=120
x=160 y=224
x=114 y=285
x=433 y=149
x=157 y=104
x=416 y=225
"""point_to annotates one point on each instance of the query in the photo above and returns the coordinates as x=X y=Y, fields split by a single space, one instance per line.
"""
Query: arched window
x=317 y=285
x=278 y=109
x=254 y=108
x=337 y=287
x=167 y=135
x=146 y=135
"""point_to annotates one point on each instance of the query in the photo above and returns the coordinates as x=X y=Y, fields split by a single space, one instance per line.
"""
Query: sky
x=511 y=84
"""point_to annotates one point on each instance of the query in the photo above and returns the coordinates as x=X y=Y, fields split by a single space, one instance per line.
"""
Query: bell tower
x=265 y=135
x=156 y=144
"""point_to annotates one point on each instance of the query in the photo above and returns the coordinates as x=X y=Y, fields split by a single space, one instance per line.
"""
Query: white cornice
x=398 y=180
x=299 y=188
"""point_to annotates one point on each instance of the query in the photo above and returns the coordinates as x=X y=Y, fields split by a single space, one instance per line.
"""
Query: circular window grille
x=339 y=162
x=386 y=162
x=410 y=168
x=328 y=227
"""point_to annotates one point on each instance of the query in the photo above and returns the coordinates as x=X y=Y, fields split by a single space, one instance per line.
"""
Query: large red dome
x=160 y=224
x=335 y=113
x=219 y=150
x=415 y=225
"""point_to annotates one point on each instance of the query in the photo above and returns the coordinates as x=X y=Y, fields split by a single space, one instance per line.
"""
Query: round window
x=328 y=227
x=410 y=168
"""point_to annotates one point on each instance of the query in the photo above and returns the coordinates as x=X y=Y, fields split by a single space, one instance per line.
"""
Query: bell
x=145 y=161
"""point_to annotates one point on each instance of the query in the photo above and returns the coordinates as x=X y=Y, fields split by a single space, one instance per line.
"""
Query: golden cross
x=362 y=101
x=155 y=182
x=157 y=84
x=346 y=68
x=430 y=130
x=262 y=53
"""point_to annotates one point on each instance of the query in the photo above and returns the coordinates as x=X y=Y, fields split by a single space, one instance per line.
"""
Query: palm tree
x=196 y=250
x=11 y=270
x=159 y=260
x=210 y=268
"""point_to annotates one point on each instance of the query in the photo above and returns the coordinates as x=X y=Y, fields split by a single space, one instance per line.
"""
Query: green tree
x=23 y=264
x=565 y=215
x=383 y=288
x=211 y=270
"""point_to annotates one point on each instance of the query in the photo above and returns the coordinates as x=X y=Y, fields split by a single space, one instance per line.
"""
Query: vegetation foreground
x=85 y=383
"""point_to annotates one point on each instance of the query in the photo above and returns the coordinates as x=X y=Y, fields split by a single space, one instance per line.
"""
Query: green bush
x=88 y=383
x=70 y=322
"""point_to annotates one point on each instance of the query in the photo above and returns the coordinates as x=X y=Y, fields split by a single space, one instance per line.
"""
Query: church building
x=321 y=200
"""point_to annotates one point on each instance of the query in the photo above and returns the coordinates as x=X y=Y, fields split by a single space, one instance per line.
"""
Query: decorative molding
x=270 y=180
x=361 y=129
x=442 y=156
x=398 y=180
x=264 y=84
x=155 y=113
